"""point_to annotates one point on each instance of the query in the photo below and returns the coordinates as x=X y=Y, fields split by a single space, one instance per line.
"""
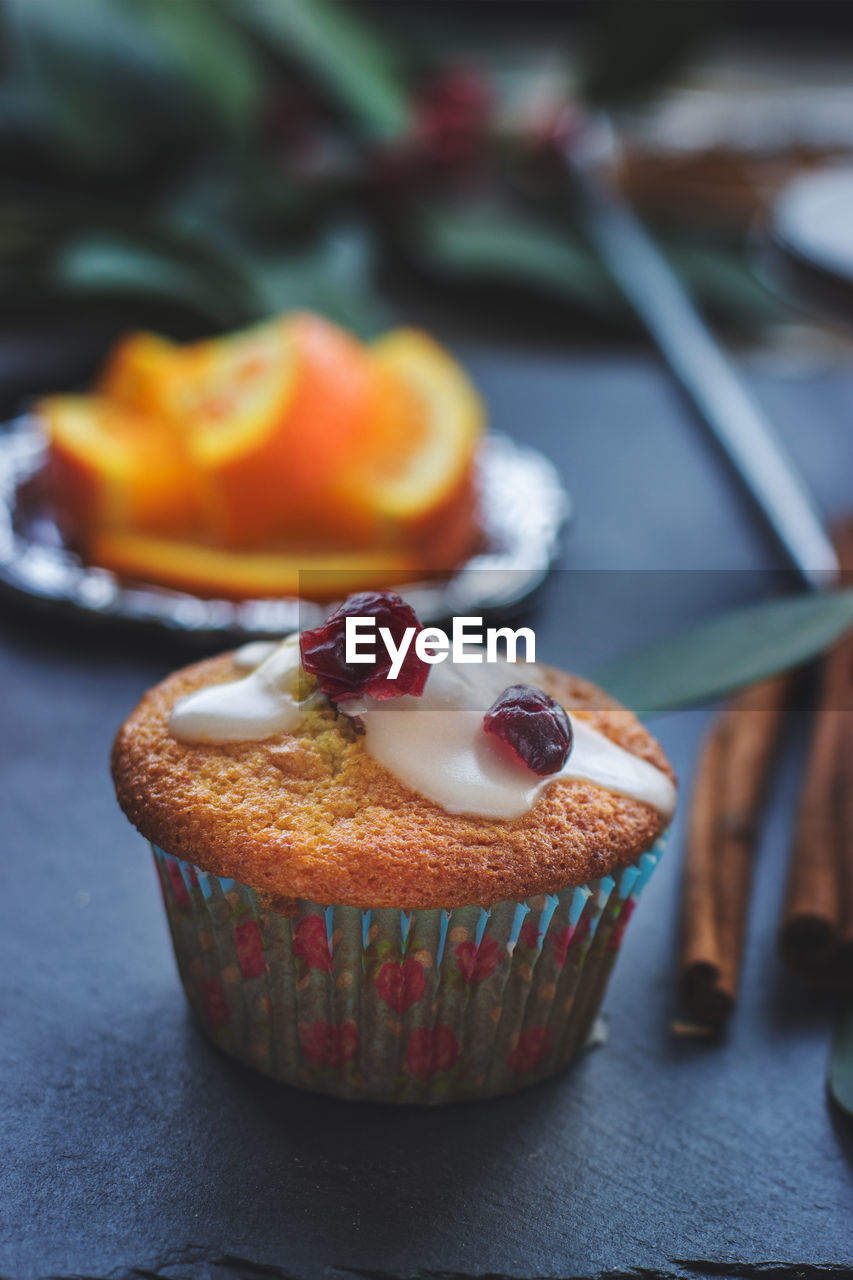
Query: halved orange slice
x=215 y=571
x=108 y=466
x=412 y=481
x=275 y=410
x=142 y=373
x=226 y=401
x=443 y=439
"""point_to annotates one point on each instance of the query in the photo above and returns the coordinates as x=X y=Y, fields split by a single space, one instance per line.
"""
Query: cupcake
x=403 y=879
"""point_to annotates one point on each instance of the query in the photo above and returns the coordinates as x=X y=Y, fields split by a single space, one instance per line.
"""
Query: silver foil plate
x=523 y=506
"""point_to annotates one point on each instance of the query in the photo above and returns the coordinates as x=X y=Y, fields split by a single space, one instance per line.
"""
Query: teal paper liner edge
x=421 y=1007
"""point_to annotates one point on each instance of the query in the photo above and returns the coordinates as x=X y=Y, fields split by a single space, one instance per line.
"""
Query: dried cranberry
x=324 y=650
x=534 y=727
x=452 y=115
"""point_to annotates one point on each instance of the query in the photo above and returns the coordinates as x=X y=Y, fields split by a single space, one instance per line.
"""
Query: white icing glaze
x=251 y=655
x=434 y=744
x=259 y=706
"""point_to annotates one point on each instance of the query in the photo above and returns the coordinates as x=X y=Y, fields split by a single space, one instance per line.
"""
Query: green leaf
x=332 y=277
x=108 y=82
x=136 y=265
x=330 y=272
x=494 y=240
x=840 y=1079
x=348 y=57
x=718 y=271
x=639 y=44
x=229 y=278
x=503 y=242
x=210 y=56
x=728 y=652
x=66 y=61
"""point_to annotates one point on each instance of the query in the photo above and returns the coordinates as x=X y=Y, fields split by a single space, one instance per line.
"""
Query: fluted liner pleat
x=421 y=1007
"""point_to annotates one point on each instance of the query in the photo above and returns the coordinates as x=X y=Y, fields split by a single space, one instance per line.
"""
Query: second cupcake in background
x=400 y=882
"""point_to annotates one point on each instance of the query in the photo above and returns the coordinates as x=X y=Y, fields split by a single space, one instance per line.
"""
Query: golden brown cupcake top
x=310 y=814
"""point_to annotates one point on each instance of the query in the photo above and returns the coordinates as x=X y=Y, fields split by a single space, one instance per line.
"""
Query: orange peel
x=215 y=571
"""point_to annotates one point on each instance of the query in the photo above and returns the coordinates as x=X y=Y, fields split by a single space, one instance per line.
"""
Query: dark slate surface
x=131 y=1147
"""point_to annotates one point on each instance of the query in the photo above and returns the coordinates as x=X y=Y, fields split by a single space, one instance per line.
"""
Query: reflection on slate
x=133 y=1148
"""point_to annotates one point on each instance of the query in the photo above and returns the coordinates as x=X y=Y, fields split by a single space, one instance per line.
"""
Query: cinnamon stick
x=816 y=934
x=812 y=920
x=727 y=803
x=700 y=951
x=844 y=850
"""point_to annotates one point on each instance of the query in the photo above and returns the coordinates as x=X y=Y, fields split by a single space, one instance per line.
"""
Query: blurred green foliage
x=640 y=46
x=243 y=156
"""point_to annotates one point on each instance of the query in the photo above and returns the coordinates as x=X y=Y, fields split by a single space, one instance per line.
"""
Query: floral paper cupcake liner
x=406 y=1007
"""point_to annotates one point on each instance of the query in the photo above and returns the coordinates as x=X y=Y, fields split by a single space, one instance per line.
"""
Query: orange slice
x=233 y=402
x=226 y=401
x=201 y=466
x=141 y=373
x=332 y=405
x=274 y=410
x=412 y=483
x=108 y=466
x=444 y=440
x=213 y=571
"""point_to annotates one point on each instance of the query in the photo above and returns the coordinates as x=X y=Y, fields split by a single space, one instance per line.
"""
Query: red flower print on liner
x=180 y=891
x=216 y=1008
x=530 y=1049
x=310 y=941
x=529 y=935
x=327 y=1045
x=431 y=1049
x=250 y=949
x=401 y=985
x=620 y=925
x=560 y=942
x=477 y=963
x=563 y=938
